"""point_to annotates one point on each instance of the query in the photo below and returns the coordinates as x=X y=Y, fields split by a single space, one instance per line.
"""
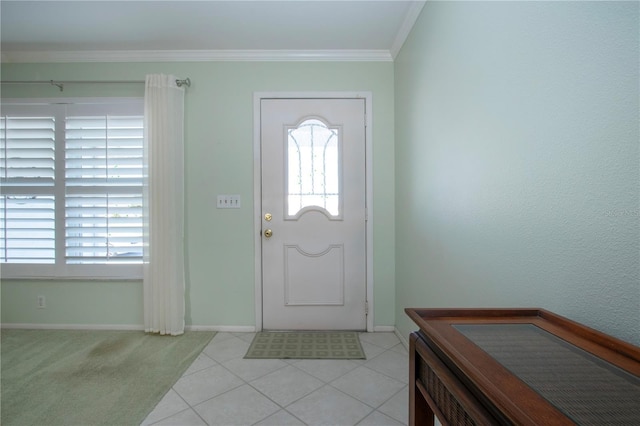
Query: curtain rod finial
x=58 y=85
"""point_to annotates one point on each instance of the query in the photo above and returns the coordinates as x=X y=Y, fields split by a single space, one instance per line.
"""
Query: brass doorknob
x=268 y=233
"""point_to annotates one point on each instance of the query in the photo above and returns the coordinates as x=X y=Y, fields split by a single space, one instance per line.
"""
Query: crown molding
x=403 y=32
x=195 y=56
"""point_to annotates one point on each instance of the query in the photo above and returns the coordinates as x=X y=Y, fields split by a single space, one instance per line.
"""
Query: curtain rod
x=60 y=84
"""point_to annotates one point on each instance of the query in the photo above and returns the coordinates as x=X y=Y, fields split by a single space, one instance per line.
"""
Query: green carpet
x=306 y=345
x=54 y=377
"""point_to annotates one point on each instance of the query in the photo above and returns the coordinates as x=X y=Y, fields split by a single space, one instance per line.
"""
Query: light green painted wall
x=219 y=160
x=77 y=302
x=517 y=161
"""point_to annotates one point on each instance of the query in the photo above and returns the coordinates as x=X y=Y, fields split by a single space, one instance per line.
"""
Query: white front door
x=313 y=214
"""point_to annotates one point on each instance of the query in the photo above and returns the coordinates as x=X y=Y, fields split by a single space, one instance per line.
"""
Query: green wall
x=219 y=160
x=517 y=161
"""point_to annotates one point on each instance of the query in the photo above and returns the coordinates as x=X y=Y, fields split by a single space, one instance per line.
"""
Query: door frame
x=257 y=189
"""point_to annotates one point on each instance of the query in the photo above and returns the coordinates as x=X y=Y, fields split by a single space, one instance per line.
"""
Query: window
x=71 y=199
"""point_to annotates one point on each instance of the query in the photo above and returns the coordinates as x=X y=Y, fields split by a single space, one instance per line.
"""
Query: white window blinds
x=27 y=202
x=71 y=175
x=103 y=183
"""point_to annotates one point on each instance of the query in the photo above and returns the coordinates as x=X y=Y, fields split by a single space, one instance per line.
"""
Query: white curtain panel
x=164 y=285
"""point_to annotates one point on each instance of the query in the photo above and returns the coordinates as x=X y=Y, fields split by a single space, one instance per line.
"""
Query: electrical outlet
x=42 y=302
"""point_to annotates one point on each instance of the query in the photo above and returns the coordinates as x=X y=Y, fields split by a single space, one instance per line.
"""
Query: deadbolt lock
x=268 y=217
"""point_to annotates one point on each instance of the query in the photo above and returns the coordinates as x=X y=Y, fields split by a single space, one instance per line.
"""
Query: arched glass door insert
x=313 y=169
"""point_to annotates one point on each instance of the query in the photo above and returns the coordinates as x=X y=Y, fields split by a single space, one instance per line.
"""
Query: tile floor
x=222 y=388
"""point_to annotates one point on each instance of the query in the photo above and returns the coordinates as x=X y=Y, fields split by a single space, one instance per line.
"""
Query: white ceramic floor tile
x=378 y=419
x=393 y=364
x=247 y=337
x=326 y=369
x=371 y=351
x=169 y=405
x=206 y=384
x=184 y=418
x=281 y=418
x=251 y=369
x=242 y=406
x=221 y=336
x=286 y=385
x=329 y=406
x=368 y=386
x=200 y=363
x=225 y=387
x=398 y=406
x=401 y=349
x=228 y=349
x=384 y=340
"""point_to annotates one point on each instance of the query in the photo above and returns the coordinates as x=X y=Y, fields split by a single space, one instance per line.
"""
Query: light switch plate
x=228 y=201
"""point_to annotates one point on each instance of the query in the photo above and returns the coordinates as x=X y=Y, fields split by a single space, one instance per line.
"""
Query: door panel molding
x=258 y=96
x=316 y=209
x=331 y=280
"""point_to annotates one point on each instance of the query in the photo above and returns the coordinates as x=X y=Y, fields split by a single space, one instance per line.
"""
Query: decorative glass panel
x=313 y=163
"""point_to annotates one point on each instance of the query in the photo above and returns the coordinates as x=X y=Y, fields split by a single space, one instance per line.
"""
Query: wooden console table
x=518 y=367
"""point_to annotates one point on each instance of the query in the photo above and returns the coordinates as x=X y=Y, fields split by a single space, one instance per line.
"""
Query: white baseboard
x=383 y=328
x=403 y=340
x=28 y=326
x=221 y=328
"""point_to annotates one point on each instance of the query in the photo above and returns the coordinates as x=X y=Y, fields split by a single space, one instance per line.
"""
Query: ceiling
x=204 y=29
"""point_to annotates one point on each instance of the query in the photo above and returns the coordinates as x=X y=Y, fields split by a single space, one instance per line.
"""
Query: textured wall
x=517 y=160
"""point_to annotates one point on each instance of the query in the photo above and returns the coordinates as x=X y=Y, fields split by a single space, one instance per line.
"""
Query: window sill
x=71 y=272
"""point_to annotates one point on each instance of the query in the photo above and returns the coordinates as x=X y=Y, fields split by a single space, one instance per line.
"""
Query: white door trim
x=257 y=188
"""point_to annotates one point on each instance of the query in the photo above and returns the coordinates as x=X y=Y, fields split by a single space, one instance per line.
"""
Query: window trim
x=60 y=270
